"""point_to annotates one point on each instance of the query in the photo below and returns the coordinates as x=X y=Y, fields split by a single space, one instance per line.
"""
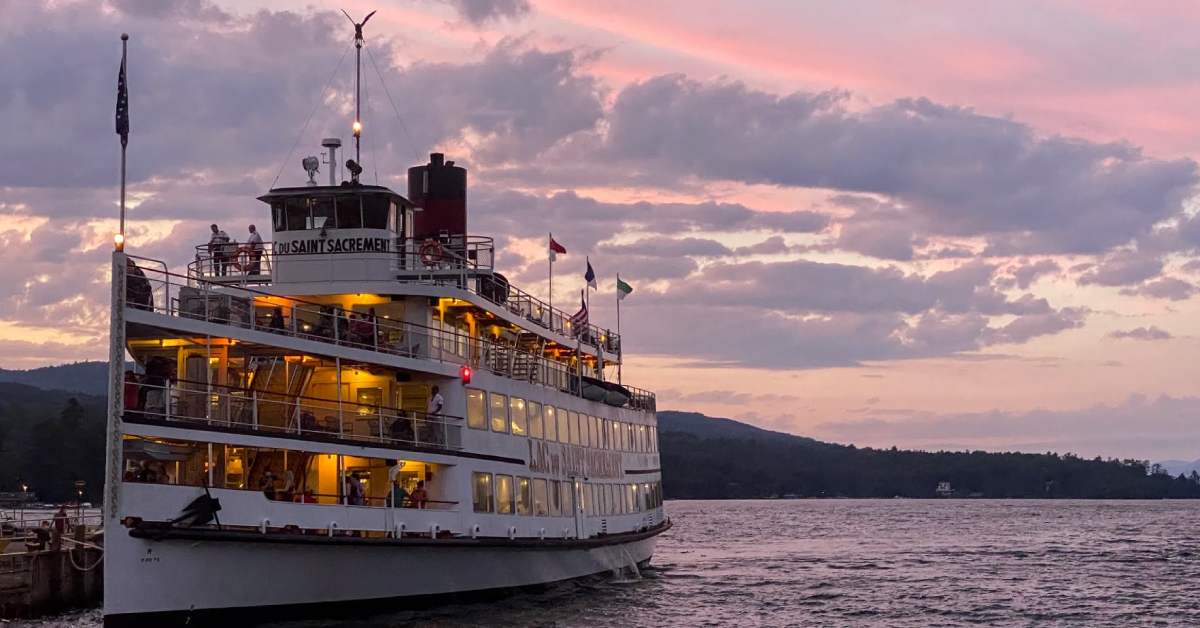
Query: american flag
x=122 y=105
x=579 y=320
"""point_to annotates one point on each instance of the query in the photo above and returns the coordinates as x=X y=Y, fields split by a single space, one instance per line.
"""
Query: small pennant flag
x=555 y=249
x=623 y=289
x=590 y=276
x=122 y=106
x=579 y=320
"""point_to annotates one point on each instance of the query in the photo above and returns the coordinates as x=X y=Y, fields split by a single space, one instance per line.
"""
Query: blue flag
x=122 y=105
x=590 y=276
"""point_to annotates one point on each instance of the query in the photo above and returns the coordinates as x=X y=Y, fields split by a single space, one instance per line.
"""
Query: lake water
x=876 y=563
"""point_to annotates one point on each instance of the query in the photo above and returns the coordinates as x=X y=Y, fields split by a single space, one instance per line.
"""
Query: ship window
x=594 y=428
x=499 y=412
x=630 y=498
x=539 y=497
x=618 y=499
x=349 y=212
x=573 y=425
x=646 y=498
x=475 y=410
x=296 y=210
x=564 y=433
x=551 y=422
x=394 y=217
x=322 y=212
x=504 y=494
x=481 y=484
x=615 y=444
x=564 y=494
x=583 y=431
x=635 y=493
x=375 y=210
x=589 y=505
x=516 y=413
x=524 y=496
x=278 y=217
x=554 y=498
x=535 y=420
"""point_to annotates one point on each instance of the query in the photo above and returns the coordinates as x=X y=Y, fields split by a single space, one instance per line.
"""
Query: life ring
x=431 y=252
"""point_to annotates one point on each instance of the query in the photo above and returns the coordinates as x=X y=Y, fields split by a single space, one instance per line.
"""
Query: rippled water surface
x=878 y=563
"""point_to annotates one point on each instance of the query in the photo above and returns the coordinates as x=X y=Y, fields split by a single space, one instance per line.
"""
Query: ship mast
x=358 y=44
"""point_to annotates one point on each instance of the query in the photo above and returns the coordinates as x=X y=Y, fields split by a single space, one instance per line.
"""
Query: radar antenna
x=358 y=44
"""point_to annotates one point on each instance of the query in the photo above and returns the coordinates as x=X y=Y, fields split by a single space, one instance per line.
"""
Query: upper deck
x=255 y=317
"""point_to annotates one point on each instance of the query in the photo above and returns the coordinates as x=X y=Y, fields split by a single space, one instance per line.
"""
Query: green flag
x=623 y=289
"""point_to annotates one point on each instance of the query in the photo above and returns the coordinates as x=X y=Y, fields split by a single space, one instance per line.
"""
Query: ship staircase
x=277 y=386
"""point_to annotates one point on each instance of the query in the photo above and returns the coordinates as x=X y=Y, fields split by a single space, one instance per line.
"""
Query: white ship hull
x=181 y=580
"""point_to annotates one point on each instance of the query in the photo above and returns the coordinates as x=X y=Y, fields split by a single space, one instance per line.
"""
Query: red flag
x=555 y=249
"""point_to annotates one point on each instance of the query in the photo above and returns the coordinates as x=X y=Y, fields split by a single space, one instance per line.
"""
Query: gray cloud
x=1122 y=268
x=1141 y=333
x=955 y=171
x=481 y=11
x=1164 y=288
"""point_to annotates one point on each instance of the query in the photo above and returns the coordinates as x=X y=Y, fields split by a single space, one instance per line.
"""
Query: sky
x=928 y=224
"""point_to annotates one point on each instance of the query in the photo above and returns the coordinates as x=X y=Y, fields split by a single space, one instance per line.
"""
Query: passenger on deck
x=146 y=473
x=324 y=327
x=276 y=323
x=267 y=484
x=289 y=487
x=216 y=248
x=132 y=388
x=398 y=493
x=419 y=497
x=254 y=246
x=137 y=287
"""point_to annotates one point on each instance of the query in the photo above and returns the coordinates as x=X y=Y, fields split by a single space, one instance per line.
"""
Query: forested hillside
x=49 y=439
x=705 y=458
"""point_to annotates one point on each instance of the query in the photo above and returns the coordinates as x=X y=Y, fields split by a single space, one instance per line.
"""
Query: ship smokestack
x=439 y=188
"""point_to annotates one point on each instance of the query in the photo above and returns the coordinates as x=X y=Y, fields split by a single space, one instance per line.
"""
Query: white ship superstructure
x=362 y=410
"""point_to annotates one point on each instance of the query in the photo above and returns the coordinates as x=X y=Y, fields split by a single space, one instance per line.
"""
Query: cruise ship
x=358 y=412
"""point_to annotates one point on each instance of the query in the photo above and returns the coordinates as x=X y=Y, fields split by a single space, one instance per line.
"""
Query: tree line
x=705 y=458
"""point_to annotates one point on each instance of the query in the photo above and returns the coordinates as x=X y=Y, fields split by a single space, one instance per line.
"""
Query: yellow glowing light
x=119 y=241
x=357 y=128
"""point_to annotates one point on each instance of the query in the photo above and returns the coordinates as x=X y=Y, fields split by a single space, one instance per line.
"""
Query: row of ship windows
x=507 y=495
x=514 y=415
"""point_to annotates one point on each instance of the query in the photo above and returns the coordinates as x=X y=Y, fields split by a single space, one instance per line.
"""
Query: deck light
x=465 y=374
x=357 y=128
x=119 y=241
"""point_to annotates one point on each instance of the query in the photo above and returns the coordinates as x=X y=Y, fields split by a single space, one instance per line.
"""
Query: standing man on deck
x=216 y=248
x=255 y=244
x=432 y=412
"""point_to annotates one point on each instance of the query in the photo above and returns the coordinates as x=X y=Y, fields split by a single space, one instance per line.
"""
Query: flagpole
x=124 y=43
x=550 y=256
x=620 y=354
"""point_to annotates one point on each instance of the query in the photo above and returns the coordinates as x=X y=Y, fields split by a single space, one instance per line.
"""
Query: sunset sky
x=927 y=224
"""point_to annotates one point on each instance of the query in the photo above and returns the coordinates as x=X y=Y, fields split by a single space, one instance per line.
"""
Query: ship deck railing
x=174 y=295
x=273 y=413
x=464 y=262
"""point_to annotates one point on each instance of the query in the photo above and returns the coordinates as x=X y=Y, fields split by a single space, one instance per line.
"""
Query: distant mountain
x=89 y=378
x=713 y=458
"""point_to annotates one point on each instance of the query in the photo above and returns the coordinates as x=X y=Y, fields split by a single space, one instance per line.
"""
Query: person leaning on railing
x=137 y=287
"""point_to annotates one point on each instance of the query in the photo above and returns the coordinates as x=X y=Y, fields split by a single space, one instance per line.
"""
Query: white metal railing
x=166 y=293
x=278 y=413
x=465 y=262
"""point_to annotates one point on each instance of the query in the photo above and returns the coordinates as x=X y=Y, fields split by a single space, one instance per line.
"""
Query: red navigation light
x=465 y=374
